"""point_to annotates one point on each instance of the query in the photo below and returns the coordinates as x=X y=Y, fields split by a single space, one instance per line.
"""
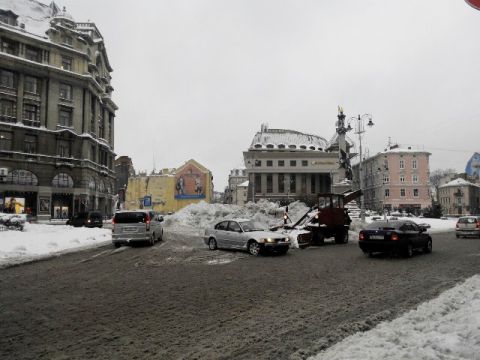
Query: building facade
x=396 y=179
x=286 y=165
x=56 y=112
x=171 y=189
x=459 y=197
x=235 y=178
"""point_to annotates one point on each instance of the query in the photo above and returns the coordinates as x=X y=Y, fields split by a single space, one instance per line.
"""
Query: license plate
x=377 y=237
x=129 y=230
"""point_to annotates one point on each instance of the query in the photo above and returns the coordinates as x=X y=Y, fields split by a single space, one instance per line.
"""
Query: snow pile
x=35 y=15
x=38 y=241
x=444 y=328
x=194 y=218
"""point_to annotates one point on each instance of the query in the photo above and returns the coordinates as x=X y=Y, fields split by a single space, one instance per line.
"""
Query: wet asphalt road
x=181 y=301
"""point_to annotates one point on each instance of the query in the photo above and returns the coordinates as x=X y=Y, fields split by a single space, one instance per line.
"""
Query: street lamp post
x=359 y=130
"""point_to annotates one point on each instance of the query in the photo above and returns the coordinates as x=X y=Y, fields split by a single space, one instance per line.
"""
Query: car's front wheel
x=254 y=248
x=212 y=244
x=428 y=246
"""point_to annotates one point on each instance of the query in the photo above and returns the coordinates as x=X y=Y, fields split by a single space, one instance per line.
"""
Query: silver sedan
x=244 y=234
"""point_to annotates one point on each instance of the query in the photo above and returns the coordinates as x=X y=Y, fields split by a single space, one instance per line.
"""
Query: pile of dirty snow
x=195 y=218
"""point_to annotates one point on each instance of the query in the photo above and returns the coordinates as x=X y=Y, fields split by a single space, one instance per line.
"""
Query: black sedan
x=394 y=236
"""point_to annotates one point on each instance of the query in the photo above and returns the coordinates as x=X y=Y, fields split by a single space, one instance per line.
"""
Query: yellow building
x=171 y=189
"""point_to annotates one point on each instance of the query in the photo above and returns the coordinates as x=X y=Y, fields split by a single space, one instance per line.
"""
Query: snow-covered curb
x=447 y=327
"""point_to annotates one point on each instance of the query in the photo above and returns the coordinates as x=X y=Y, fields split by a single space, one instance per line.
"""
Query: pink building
x=396 y=179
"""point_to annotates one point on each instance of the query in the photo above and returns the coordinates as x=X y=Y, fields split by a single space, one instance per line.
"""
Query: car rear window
x=383 y=225
x=467 y=220
x=130 y=217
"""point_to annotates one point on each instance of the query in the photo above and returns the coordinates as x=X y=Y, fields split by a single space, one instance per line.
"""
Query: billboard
x=14 y=205
x=190 y=183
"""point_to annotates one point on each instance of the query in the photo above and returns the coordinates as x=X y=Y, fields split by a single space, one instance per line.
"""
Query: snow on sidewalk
x=37 y=241
x=447 y=327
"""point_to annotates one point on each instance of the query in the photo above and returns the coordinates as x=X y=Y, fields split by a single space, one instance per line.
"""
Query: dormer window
x=311 y=147
x=292 y=146
x=281 y=146
x=8 y=17
x=269 y=146
x=258 y=146
x=303 y=147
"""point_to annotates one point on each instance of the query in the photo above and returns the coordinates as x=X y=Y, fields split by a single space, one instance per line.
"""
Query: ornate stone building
x=56 y=112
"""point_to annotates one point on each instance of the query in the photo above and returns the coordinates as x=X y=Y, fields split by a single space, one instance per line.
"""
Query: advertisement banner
x=190 y=183
x=14 y=205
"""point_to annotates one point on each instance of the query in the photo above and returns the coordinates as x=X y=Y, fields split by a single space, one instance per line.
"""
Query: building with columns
x=286 y=165
x=56 y=112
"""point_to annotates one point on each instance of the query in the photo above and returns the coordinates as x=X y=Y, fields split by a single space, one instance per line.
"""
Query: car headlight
x=286 y=239
x=269 y=240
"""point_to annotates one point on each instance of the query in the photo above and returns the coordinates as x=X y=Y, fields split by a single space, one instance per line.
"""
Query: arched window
x=101 y=186
x=62 y=180
x=22 y=177
x=292 y=146
x=311 y=147
x=303 y=147
x=269 y=146
x=281 y=146
x=91 y=184
x=258 y=146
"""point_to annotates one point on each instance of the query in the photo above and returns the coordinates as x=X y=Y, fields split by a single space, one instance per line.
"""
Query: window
x=258 y=183
x=269 y=163
x=67 y=40
x=293 y=162
x=30 y=144
x=67 y=63
x=402 y=192
x=269 y=183
x=258 y=163
x=281 y=146
x=414 y=164
x=9 y=46
x=402 y=178
x=33 y=54
x=5 y=140
x=402 y=164
x=32 y=85
x=93 y=153
x=233 y=226
x=31 y=115
x=281 y=183
x=7 y=110
x=292 y=146
x=304 y=162
x=63 y=148
x=7 y=79
x=293 y=184
x=385 y=164
x=66 y=92
x=65 y=117
x=387 y=192
x=386 y=179
x=101 y=127
x=281 y=163
x=8 y=19
x=62 y=180
x=415 y=178
x=415 y=192
x=22 y=177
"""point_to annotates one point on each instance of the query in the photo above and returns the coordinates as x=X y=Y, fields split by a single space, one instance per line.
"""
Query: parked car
x=244 y=234
x=397 y=236
x=468 y=226
x=88 y=219
x=133 y=226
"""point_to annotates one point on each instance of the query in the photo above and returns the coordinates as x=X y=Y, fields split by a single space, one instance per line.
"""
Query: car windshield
x=383 y=225
x=252 y=226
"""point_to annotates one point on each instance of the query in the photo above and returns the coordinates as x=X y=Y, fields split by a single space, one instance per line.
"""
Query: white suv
x=136 y=226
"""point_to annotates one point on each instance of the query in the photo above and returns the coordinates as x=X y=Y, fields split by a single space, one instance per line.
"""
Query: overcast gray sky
x=196 y=78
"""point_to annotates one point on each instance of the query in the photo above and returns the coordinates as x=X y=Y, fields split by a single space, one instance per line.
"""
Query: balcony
x=29 y=122
x=8 y=118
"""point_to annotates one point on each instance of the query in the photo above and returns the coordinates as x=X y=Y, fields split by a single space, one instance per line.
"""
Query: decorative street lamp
x=359 y=130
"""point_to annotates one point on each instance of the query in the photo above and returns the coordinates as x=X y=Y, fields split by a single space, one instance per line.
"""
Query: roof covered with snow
x=281 y=139
x=35 y=15
x=459 y=182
